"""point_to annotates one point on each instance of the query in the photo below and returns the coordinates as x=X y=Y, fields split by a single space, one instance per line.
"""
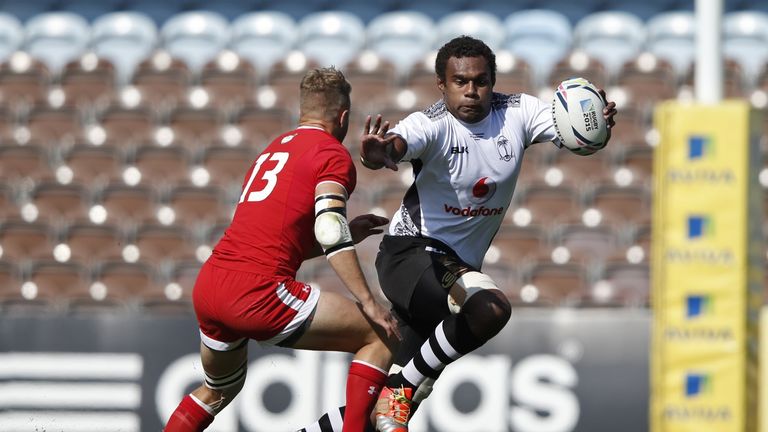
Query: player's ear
x=344 y=118
x=440 y=84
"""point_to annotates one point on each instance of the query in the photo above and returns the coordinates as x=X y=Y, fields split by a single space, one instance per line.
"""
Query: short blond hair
x=323 y=93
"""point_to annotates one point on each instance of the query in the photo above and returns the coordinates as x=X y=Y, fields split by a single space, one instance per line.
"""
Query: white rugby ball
x=577 y=110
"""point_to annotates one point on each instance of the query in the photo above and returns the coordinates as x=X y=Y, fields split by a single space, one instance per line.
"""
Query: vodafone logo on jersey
x=482 y=190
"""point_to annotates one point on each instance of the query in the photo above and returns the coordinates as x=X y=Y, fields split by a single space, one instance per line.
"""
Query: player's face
x=467 y=89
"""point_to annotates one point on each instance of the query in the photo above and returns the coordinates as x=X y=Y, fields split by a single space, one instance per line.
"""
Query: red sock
x=363 y=384
x=189 y=417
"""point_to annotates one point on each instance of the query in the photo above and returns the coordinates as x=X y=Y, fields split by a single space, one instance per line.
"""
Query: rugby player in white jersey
x=466 y=151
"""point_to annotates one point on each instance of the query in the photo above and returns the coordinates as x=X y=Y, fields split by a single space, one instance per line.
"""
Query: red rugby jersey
x=273 y=226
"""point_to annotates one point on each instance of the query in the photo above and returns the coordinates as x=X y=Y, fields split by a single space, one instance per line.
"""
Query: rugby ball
x=577 y=111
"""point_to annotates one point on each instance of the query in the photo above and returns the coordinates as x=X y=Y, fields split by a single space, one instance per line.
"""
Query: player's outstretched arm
x=379 y=149
x=334 y=235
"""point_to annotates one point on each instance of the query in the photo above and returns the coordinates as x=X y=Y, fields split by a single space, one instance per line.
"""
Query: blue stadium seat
x=263 y=38
x=746 y=41
x=435 y=9
x=296 y=9
x=402 y=38
x=671 y=36
x=331 y=38
x=11 y=35
x=26 y=9
x=365 y=10
x=125 y=39
x=90 y=9
x=195 y=37
x=540 y=37
x=641 y=9
x=500 y=8
x=611 y=37
x=230 y=9
x=574 y=10
x=481 y=25
x=56 y=38
x=159 y=11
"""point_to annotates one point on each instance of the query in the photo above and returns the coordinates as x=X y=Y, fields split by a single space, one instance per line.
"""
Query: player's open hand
x=376 y=146
x=383 y=318
x=366 y=225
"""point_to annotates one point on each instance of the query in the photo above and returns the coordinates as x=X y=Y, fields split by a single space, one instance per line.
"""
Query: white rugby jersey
x=465 y=173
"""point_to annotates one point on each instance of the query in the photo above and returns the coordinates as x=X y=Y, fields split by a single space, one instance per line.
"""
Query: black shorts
x=416 y=274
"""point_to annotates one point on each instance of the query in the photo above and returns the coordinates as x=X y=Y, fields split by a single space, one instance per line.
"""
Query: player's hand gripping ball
x=577 y=110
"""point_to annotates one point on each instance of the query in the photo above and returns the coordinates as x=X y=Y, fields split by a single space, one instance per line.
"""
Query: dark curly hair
x=464 y=46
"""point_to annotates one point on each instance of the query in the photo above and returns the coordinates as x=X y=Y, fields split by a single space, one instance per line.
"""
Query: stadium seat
x=56 y=38
x=263 y=125
x=611 y=37
x=159 y=12
x=482 y=25
x=643 y=9
x=52 y=126
x=521 y=244
x=93 y=165
x=125 y=39
x=734 y=79
x=575 y=11
x=230 y=81
x=639 y=162
x=91 y=243
x=198 y=205
x=500 y=8
x=550 y=206
x=227 y=166
x=193 y=127
x=436 y=9
x=331 y=38
x=296 y=9
x=370 y=77
x=282 y=87
x=402 y=38
x=540 y=37
x=127 y=126
x=128 y=205
x=195 y=37
x=230 y=9
x=10 y=283
x=11 y=35
x=158 y=244
x=58 y=282
x=124 y=281
x=8 y=208
x=90 y=9
x=25 y=9
x=513 y=74
x=745 y=39
x=162 y=166
x=58 y=203
x=555 y=285
x=578 y=64
x=621 y=205
x=22 y=241
x=628 y=284
x=23 y=82
x=671 y=36
x=648 y=79
x=88 y=82
x=263 y=38
x=581 y=171
x=584 y=245
x=19 y=163
x=162 y=81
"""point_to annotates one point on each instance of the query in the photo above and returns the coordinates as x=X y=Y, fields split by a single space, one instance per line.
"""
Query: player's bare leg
x=340 y=325
x=224 y=378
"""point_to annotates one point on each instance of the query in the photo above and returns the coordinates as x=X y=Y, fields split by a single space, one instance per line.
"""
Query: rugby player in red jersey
x=292 y=207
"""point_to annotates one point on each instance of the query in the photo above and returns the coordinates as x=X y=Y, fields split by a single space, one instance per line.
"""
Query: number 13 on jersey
x=270 y=176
